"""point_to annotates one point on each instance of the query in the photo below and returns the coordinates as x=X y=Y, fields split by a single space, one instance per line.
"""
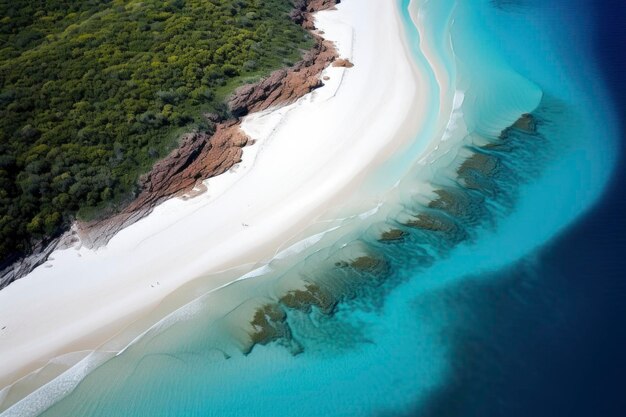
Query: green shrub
x=93 y=92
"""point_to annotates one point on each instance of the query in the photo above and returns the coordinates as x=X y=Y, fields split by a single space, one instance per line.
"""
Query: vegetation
x=92 y=92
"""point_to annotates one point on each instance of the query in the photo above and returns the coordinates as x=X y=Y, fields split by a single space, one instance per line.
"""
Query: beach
x=396 y=242
x=304 y=159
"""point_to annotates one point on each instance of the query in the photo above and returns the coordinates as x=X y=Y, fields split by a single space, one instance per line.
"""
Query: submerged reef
x=342 y=282
x=483 y=188
x=269 y=324
x=393 y=235
x=311 y=296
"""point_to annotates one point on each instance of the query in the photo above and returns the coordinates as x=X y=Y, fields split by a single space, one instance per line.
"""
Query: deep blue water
x=551 y=335
x=537 y=328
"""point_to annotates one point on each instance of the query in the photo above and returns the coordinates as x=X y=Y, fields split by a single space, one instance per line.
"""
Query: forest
x=93 y=92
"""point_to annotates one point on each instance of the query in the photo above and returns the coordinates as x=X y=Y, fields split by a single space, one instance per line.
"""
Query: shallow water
x=424 y=322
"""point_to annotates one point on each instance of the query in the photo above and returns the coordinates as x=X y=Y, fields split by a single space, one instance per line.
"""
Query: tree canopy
x=93 y=92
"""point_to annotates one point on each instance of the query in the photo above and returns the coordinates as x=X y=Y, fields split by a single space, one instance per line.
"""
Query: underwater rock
x=269 y=325
x=454 y=203
x=366 y=263
x=476 y=172
x=526 y=123
x=312 y=295
x=393 y=235
x=432 y=223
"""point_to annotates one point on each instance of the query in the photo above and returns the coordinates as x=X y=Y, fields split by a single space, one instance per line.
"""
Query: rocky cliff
x=201 y=155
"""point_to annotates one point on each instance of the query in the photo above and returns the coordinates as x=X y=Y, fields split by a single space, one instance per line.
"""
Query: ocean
x=489 y=283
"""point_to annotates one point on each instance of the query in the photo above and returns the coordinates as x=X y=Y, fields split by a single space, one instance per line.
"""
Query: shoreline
x=200 y=155
x=348 y=151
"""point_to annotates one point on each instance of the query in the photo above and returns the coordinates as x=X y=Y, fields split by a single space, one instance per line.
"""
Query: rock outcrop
x=199 y=156
x=286 y=85
x=345 y=63
x=202 y=155
x=303 y=10
x=40 y=253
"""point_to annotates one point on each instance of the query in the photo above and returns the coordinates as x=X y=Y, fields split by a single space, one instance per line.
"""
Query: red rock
x=345 y=63
x=284 y=86
x=198 y=157
x=201 y=156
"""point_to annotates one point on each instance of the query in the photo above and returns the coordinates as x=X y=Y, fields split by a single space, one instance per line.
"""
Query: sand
x=306 y=156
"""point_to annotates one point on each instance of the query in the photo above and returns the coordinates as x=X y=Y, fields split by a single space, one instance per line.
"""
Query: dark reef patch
x=477 y=172
x=392 y=235
x=311 y=295
x=483 y=188
x=341 y=282
x=269 y=325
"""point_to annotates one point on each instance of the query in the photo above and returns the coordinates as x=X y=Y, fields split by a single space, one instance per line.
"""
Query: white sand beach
x=306 y=156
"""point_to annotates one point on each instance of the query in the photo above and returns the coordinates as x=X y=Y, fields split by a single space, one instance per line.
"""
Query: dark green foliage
x=93 y=92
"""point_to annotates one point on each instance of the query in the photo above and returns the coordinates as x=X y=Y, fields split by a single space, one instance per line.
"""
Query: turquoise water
x=385 y=347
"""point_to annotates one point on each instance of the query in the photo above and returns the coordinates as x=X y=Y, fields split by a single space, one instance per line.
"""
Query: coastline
x=428 y=266
x=200 y=154
x=254 y=220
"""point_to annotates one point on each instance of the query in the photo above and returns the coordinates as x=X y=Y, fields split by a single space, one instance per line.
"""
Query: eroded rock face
x=198 y=157
x=304 y=8
x=200 y=154
x=285 y=86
